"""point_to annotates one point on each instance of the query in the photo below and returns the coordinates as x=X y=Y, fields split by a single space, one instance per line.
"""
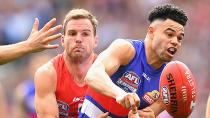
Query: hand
x=128 y=100
x=39 y=40
x=104 y=115
x=133 y=114
x=146 y=113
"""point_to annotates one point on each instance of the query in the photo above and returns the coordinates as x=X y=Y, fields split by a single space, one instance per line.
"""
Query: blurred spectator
x=3 y=104
x=18 y=23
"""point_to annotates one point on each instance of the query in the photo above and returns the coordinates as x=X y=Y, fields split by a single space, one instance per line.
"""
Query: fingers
x=137 y=100
x=136 y=103
x=132 y=114
x=134 y=100
x=134 y=109
x=48 y=25
x=129 y=100
x=53 y=37
x=35 y=26
x=51 y=46
x=39 y=40
x=126 y=100
x=52 y=30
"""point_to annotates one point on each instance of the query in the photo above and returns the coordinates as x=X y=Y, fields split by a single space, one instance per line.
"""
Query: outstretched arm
x=120 y=52
x=37 y=41
x=45 y=85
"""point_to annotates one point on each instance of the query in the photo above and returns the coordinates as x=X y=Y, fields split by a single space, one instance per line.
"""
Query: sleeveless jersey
x=69 y=95
x=137 y=76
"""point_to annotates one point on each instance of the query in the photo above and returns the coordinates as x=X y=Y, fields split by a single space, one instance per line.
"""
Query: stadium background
x=117 y=19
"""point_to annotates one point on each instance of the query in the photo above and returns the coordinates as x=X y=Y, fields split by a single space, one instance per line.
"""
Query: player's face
x=79 y=39
x=167 y=39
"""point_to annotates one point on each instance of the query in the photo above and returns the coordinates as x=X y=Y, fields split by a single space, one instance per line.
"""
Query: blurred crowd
x=117 y=19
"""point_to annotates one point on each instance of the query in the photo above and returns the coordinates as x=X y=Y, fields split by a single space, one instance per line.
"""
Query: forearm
x=13 y=51
x=100 y=81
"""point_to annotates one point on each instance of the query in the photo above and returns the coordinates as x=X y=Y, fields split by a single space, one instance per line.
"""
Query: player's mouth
x=78 y=48
x=171 y=51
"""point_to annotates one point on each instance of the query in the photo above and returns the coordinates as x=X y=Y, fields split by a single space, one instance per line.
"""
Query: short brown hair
x=80 y=14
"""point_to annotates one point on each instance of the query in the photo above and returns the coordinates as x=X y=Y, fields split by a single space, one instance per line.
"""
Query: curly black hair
x=168 y=11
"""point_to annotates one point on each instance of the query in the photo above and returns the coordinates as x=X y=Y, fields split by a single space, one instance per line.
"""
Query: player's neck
x=152 y=58
x=79 y=70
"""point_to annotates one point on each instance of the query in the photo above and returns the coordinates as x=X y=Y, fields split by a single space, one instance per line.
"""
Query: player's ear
x=96 y=41
x=62 y=40
x=151 y=31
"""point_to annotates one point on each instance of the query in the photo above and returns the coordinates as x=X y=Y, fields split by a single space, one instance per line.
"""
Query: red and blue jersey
x=137 y=76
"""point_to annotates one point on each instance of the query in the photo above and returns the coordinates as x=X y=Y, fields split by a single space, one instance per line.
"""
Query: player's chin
x=167 y=59
x=78 y=54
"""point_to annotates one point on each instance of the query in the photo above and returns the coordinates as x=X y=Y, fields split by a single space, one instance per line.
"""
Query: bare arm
x=208 y=108
x=45 y=85
x=37 y=41
x=120 y=52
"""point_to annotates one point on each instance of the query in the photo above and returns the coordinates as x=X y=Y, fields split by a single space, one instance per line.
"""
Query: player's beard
x=79 y=57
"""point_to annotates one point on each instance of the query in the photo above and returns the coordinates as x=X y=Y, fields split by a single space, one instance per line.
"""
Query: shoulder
x=45 y=77
x=47 y=68
x=122 y=42
x=122 y=49
x=121 y=45
x=131 y=44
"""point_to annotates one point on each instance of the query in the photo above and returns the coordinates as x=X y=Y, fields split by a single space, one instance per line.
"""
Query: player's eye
x=72 y=33
x=180 y=38
x=170 y=35
x=85 y=34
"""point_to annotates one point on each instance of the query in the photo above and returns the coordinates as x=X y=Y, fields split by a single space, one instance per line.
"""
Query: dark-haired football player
x=126 y=75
